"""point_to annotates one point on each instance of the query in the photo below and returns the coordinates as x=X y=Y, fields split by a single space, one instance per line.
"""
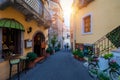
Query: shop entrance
x=38 y=39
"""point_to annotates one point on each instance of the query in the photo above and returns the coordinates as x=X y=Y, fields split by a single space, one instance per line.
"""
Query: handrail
x=103 y=46
x=108 y=42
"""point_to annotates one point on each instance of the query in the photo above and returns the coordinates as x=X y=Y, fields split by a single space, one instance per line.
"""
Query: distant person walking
x=67 y=46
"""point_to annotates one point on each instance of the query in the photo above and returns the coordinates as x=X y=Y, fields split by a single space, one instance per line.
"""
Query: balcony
x=47 y=18
x=81 y=3
x=84 y=3
x=32 y=9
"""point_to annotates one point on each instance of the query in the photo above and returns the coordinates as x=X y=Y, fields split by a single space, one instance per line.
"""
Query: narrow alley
x=60 y=66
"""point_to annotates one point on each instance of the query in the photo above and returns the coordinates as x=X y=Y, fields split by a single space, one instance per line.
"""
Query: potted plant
x=75 y=53
x=103 y=76
x=56 y=49
x=49 y=50
x=80 y=55
x=113 y=64
x=31 y=57
x=59 y=45
x=53 y=42
x=108 y=56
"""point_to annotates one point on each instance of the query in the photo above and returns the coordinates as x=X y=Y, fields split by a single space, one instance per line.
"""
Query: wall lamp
x=29 y=30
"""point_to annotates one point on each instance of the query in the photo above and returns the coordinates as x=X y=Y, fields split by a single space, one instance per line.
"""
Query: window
x=10 y=42
x=87 y=24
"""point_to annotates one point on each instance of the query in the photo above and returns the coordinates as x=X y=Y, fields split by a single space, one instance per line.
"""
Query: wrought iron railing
x=103 y=46
x=34 y=6
x=108 y=42
x=40 y=11
x=31 y=7
x=83 y=3
x=47 y=17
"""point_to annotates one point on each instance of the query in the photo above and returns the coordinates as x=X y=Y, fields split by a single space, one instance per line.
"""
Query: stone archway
x=38 y=39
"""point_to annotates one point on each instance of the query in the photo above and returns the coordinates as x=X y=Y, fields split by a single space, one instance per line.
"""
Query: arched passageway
x=38 y=39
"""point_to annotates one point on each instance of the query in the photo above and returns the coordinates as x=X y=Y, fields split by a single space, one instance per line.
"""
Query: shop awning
x=11 y=23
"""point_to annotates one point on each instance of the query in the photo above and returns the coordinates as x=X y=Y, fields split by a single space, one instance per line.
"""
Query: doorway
x=38 y=39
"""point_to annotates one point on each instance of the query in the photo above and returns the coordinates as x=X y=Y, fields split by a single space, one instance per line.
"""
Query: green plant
x=113 y=64
x=103 y=76
x=59 y=45
x=74 y=52
x=31 y=56
x=107 y=56
x=56 y=49
x=80 y=53
x=54 y=40
x=49 y=50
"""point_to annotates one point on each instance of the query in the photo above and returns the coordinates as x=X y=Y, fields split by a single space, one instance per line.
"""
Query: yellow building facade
x=24 y=37
x=103 y=18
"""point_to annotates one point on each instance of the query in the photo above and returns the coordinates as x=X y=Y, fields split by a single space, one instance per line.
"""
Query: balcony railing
x=35 y=5
x=47 y=17
x=32 y=9
x=82 y=3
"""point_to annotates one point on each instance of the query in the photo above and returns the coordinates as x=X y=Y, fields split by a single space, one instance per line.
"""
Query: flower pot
x=81 y=59
x=47 y=54
x=76 y=56
x=31 y=64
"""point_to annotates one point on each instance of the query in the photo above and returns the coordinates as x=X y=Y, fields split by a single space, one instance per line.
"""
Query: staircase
x=108 y=42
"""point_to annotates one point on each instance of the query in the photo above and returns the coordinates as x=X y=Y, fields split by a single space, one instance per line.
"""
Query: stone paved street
x=60 y=66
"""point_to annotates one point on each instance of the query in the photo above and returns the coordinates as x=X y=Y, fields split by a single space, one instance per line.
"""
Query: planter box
x=81 y=59
x=76 y=56
x=38 y=59
x=31 y=64
x=47 y=54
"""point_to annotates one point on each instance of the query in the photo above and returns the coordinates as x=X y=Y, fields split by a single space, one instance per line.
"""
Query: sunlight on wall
x=66 y=5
